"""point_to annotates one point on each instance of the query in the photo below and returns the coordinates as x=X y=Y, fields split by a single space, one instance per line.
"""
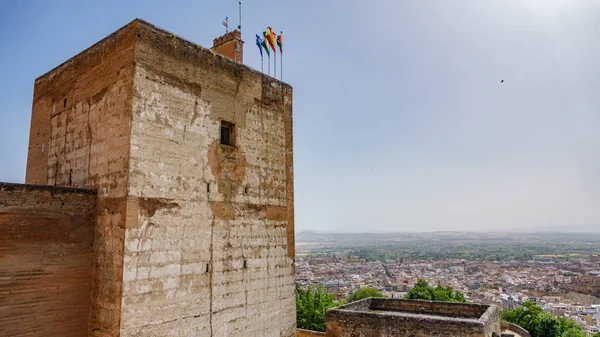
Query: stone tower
x=191 y=156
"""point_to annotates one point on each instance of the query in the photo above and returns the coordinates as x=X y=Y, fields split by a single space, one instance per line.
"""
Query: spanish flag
x=271 y=38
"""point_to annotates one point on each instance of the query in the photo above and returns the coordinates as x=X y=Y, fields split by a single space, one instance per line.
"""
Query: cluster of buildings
x=341 y=276
x=564 y=288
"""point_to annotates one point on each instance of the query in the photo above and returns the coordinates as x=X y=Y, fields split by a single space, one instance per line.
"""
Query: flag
x=271 y=38
x=280 y=42
x=264 y=44
x=258 y=44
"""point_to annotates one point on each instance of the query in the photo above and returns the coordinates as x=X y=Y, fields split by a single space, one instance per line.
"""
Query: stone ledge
x=13 y=187
x=516 y=331
x=308 y=333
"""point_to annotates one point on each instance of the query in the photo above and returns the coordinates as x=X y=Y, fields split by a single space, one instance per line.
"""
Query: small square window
x=227 y=133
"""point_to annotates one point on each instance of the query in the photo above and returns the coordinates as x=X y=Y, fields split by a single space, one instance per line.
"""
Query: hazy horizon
x=490 y=231
x=401 y=122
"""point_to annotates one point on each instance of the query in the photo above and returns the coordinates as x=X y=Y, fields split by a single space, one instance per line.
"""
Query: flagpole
x=240 y=17
x=269 y=65
x=281 y=56
x=262 y=65
x=275 y=66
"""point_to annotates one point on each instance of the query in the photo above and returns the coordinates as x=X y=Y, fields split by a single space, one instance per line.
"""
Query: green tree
x=422 y=291
x=310 y=308
x=363 y=293
x=540 y=324
x=568 y=328
x=574 y=332
x=547 y=325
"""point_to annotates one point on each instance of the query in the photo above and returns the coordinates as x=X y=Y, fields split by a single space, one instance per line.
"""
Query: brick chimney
x=230 y=45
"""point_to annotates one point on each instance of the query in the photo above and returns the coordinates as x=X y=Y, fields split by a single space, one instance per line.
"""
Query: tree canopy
x=541 y=324
x=310 y=308
x=423 y=291
x=362 y=293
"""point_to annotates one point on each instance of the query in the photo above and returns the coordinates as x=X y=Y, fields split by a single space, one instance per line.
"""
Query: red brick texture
x=46 y=238
x=230 y=45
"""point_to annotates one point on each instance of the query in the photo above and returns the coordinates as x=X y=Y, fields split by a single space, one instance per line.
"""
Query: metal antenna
x=240 y=12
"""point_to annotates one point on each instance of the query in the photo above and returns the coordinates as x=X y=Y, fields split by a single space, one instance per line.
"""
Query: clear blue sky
x=400 y=119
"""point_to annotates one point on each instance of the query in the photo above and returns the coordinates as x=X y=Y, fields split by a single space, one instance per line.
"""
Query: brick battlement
x=230 y=45
x=233 y=35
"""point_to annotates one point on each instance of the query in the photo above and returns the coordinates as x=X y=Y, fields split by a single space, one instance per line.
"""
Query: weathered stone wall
x=518 y=330
x=491 y=320
x=80 y=131
x=209 y=237
x=343 y=324
x=467 y=310
x=376 y=317
x=46 y=237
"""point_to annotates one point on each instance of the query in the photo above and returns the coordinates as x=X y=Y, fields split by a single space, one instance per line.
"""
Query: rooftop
x=176 y=43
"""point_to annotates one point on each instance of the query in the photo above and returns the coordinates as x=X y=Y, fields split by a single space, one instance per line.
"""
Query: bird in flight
x=502 y=81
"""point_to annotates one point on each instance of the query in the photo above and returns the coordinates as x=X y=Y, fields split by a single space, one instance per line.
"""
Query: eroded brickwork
x=209 y=239
x=81 y=119
x=46 y=237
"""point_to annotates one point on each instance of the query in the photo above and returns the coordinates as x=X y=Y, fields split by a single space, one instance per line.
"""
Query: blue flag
x=258 y=44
